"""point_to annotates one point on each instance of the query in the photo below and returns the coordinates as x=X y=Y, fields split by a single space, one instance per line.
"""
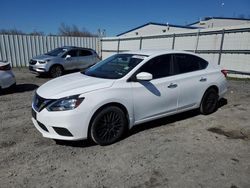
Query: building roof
x=160 y=24
x=218 y=18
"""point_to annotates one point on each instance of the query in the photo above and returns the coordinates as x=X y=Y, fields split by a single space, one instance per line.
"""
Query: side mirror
x=144 y=76
x=68 y=57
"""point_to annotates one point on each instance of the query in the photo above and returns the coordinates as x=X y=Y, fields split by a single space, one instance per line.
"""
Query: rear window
x=84 y=53
x=185 y=63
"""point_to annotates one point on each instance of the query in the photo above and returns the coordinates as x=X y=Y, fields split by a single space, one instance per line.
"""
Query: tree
x=35 y=32
x=11 y=32
x=19 y=32
x=74 y=31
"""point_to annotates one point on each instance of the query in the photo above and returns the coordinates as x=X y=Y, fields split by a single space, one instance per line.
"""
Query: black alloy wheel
x=108 y=125
x=209 y=103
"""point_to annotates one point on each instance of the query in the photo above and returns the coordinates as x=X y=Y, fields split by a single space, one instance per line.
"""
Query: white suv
x=62 y=59
x=124 y=90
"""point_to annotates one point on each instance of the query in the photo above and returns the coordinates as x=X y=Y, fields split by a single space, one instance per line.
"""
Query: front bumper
x=36 y=69
x=65 y=125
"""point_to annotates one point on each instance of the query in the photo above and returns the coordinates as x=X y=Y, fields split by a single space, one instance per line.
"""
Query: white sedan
x=124 y=90
x=7 y=78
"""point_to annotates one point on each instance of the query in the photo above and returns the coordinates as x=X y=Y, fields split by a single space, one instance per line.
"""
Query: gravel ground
x=186 y=150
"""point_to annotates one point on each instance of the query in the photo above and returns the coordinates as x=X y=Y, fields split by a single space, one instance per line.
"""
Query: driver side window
x=159 y=66
x=72 y=53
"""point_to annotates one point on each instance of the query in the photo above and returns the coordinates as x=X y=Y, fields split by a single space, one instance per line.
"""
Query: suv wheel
x=56 y=71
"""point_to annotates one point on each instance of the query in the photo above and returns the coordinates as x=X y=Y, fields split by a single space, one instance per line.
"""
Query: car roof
x=75 y=47
x=157 y=52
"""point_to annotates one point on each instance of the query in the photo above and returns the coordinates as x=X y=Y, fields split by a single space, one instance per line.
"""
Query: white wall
x=19 y=49
x=207 y=45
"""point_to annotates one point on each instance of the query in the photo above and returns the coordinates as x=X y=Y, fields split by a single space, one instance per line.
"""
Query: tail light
x=5 y=67
x=224 y=72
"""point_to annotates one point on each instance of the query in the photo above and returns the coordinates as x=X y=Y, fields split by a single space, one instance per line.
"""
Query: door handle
x=172 y=85
x=203 y=79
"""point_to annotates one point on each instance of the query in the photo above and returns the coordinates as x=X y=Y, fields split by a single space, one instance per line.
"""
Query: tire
x=209 y=103
x=108 y=126
x=56 y=71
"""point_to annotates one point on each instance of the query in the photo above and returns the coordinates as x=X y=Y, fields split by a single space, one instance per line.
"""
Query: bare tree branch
x=67 y=30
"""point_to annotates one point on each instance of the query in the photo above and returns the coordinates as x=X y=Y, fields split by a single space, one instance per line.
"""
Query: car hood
x=44 y=57
x=72 y=84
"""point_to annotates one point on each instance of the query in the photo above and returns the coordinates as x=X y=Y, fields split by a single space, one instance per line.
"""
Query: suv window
x=72 y=53
x=84 y=52
x=187 y=63
x=159 y=66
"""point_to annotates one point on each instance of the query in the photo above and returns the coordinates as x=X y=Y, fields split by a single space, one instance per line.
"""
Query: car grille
x=32 y=62
x=40 y=103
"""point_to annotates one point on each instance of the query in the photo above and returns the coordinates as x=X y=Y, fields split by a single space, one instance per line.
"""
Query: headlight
x=68 y=103
x=43 y=62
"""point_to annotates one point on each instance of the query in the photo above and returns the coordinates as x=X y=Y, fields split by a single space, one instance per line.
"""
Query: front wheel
x=108 y=125
x=56 y=71
x=209 y=103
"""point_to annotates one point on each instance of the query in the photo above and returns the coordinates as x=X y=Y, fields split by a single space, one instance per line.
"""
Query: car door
x=85 y=59
x=70 y=63
x=192 y=79
x=158 y=96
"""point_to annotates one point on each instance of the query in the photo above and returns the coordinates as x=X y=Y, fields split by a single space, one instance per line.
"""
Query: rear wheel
x=56 y=71
x=108 y=125
x=209 y=103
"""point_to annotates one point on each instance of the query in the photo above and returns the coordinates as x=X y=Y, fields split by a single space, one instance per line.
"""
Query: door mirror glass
x=68 y=57
x=144 y=76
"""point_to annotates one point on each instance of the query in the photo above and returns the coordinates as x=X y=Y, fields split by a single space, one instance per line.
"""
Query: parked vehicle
x=125 y=90
x=62 y=59
x=7 y=78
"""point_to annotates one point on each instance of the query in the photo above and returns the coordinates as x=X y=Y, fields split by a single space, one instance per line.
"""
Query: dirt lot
x=186 y=150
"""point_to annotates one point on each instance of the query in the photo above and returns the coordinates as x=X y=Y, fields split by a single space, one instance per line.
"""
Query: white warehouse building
x=214 y=22
x=153 y=28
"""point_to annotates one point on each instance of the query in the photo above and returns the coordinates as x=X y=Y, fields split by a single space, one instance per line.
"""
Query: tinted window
x=203 y=63
x=187 y=63
x=159 y=66
x=84 y=52
x=72 y=53
x=57 y=52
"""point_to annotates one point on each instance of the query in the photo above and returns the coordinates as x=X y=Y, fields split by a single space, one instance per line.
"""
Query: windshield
x=115 y=67
x=57 y=52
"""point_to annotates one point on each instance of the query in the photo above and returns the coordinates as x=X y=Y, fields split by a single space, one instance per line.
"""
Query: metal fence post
x=118 y=46
x=221 y=45
x=173 y=41
x=140 y=43
x=197 y=41
x=100 y=50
